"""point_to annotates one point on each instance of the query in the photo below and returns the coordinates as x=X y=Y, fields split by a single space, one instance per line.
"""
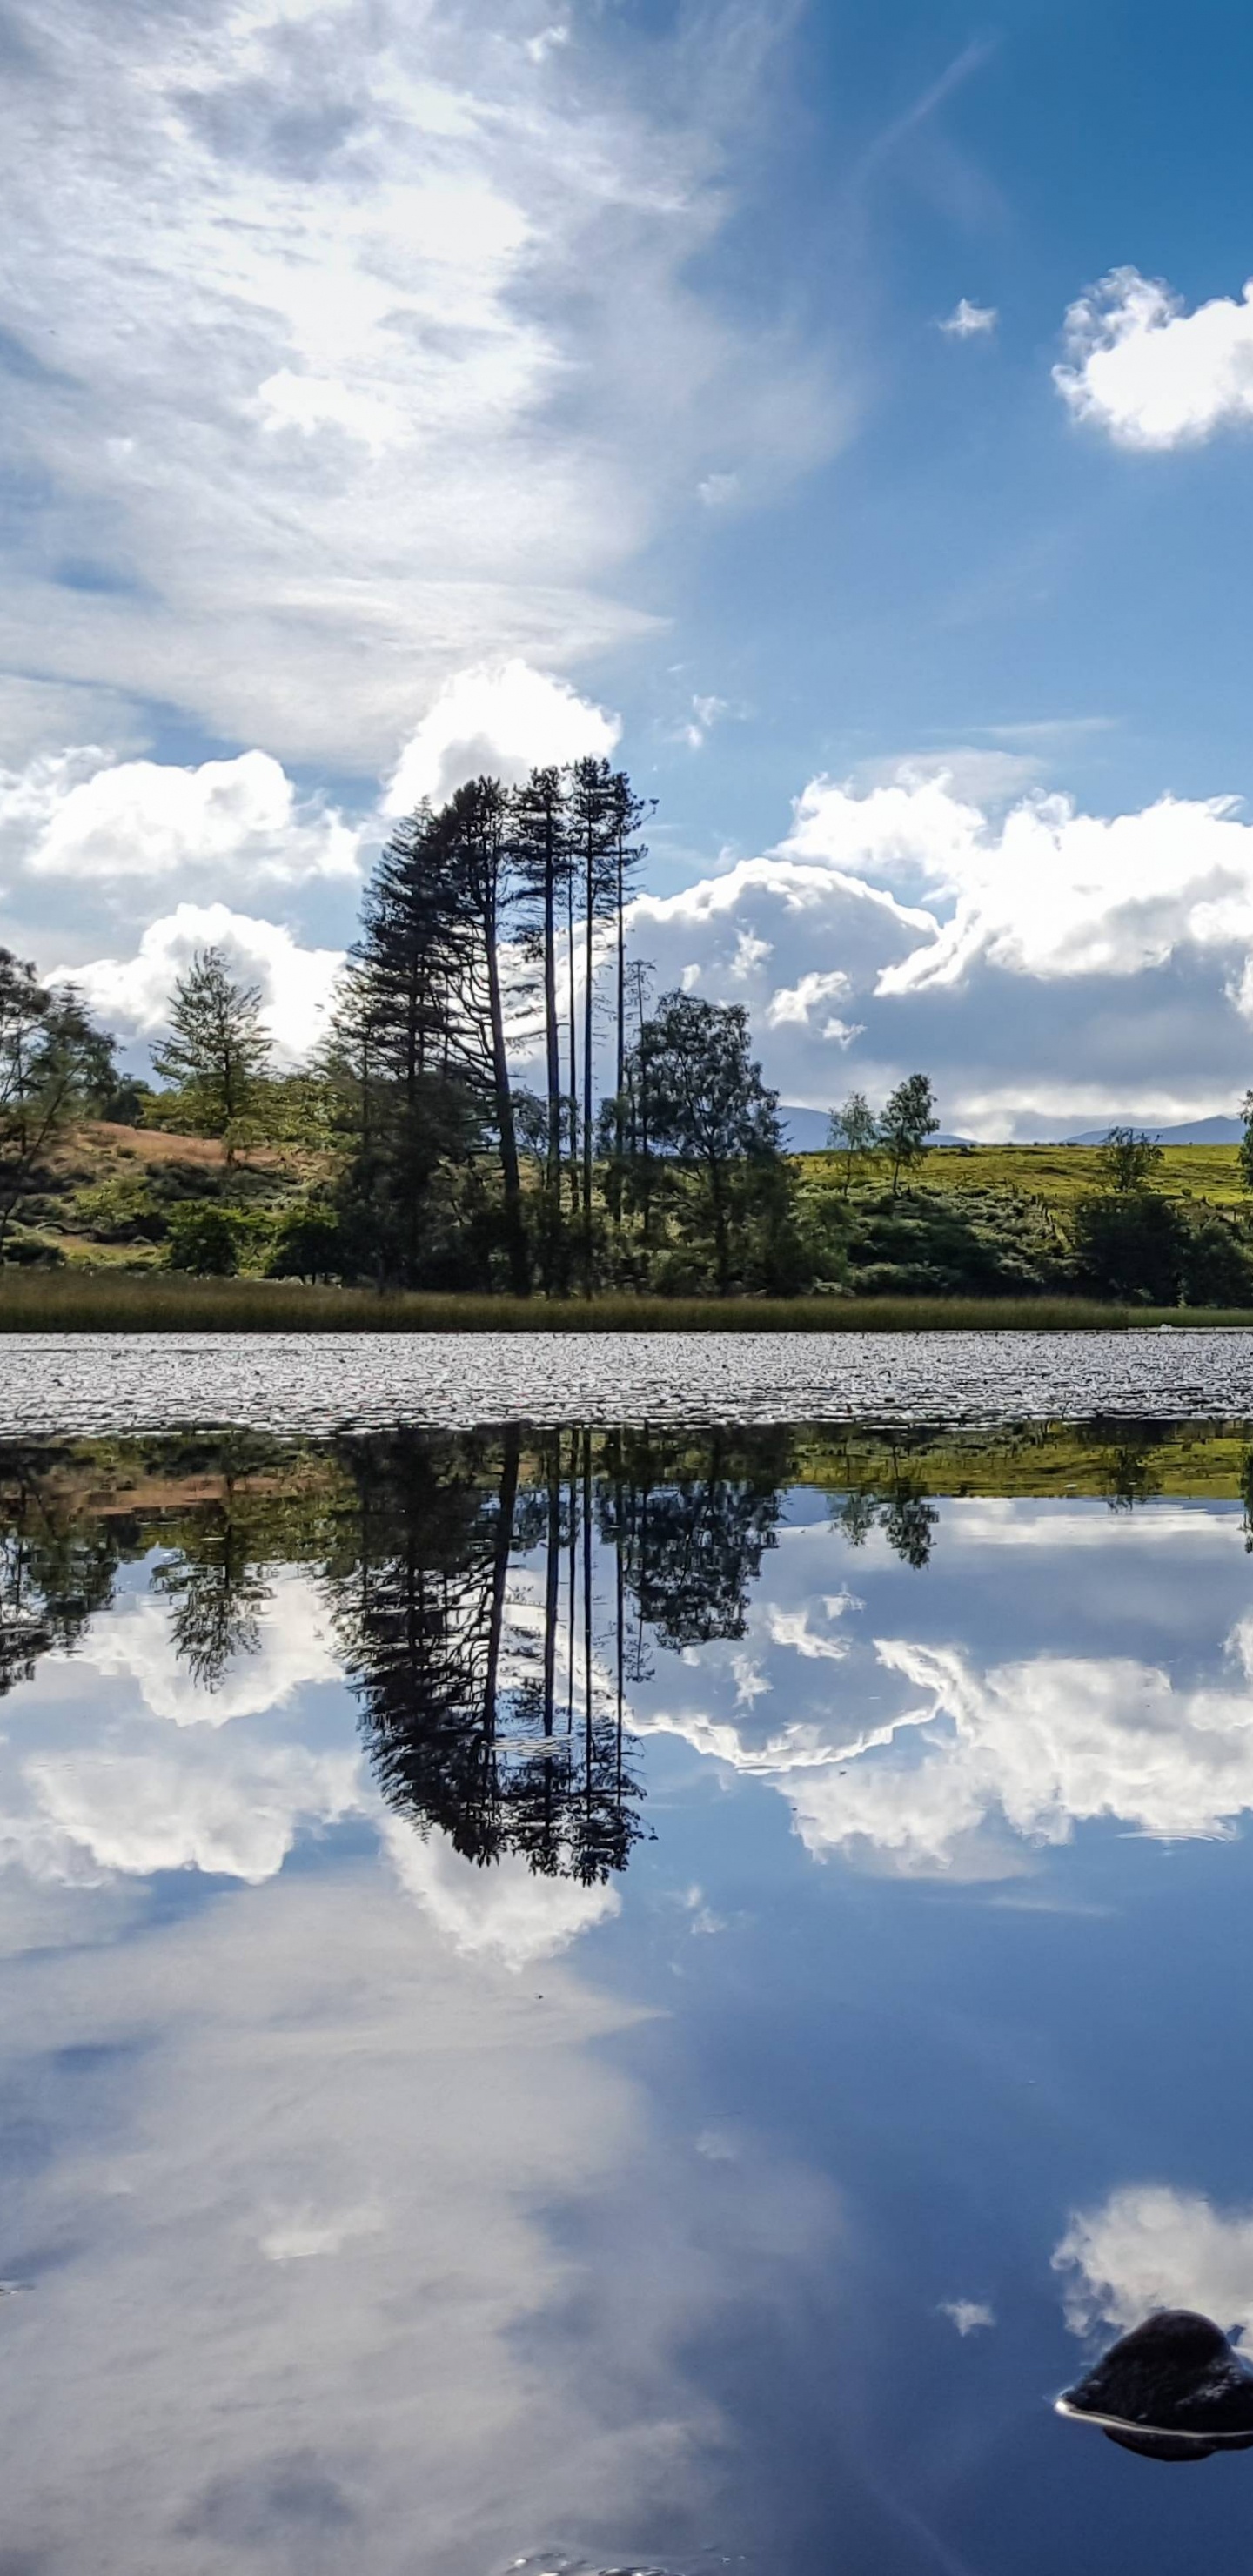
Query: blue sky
x=385 y=387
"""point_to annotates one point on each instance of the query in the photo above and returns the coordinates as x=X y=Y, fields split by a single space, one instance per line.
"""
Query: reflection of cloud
x=503 y=1912
x=232 y=1808
x=398 y=2394
x=968 y=2315
x=911 y=1756
x=1150 y=2247
x=135 y=1640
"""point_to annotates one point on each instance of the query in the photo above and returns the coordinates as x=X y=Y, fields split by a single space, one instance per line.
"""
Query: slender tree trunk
x=552 y=1039
x=574 y=1076
x=519 y=1267
x=552 y=1578
x=589 y=927
x=508 y=1496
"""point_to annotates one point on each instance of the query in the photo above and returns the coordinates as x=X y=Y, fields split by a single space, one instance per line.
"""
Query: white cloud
x=79 y=816
x=198 y=1802
x=132 y=994
x=504 y=1913
x=501 y=722
x=1152 y=374
x=970 y=321
x=1149 y=2246
x=968 y=2315
x=135 y=1642
x=1049 y=922
x=319 y=390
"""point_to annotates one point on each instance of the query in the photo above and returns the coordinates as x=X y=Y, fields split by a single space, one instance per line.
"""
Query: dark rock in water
x=1172 y=2389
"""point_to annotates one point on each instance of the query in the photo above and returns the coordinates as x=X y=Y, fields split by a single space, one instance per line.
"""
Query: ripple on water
x=89 y=1383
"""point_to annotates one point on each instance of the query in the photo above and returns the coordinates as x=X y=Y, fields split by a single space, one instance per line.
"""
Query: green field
x=1059 y=1174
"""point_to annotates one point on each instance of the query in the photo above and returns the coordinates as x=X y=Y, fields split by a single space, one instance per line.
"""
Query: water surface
x=327 y=1382
x=638 y=1997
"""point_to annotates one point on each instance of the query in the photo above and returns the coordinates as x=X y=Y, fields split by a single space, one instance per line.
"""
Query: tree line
x=650 y=1156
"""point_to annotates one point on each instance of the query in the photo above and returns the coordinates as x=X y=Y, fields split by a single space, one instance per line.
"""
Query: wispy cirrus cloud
x=309 y=378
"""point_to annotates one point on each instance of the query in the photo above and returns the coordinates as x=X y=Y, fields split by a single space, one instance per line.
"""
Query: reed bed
x=95 y=1302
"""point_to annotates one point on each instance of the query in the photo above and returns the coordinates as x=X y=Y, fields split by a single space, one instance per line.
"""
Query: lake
x=618 y=1993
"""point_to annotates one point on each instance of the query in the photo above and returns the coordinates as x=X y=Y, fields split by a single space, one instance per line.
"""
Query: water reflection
x=631 y=1990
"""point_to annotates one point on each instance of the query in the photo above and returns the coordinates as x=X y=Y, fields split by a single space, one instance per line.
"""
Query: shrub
x=206 y=1238
x=308 y=1245
x=1131 y=1245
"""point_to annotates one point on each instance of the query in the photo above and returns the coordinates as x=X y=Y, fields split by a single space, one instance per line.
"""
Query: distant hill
x=805 y=1130
x=1199 y=1131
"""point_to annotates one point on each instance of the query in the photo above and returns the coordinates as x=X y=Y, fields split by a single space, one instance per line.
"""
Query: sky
x=841 y=414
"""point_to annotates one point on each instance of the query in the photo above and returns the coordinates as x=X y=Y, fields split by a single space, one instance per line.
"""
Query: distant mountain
x=1199 y=1131
x=805 y=1130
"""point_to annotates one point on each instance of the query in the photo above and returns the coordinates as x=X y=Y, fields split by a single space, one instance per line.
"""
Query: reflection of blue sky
x=406 y=2216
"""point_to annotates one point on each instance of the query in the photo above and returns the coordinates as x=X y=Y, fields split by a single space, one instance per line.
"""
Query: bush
x=1131 y=1245
x=1217 y=1263
x=206 y=1238
x=308 y=1245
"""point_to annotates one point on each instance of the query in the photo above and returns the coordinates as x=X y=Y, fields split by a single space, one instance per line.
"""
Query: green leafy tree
x=1131 y=1245
x=1246 y=1141
x=218 y=1052
x=205 y=1238
x=308 y=1244
x=711 y=1120
x=1128 y=1161
x=853 y=1132
x=54 y=1067
x=907 y=1126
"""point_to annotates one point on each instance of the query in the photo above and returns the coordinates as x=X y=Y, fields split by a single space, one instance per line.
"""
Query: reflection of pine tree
x=692 y=1524
x=461 y=1704
x=217 y=1591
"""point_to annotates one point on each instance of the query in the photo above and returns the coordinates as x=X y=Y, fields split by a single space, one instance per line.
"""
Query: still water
x=618 y=2000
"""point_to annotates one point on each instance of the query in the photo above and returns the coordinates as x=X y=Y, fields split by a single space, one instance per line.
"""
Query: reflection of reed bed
x=166 y=1302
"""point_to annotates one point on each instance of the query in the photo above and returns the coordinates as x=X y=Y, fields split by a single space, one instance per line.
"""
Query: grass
x=1059 y=1174
x=85 y=1301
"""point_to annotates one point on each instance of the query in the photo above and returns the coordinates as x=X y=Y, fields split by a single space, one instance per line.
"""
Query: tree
x=542 y=860
x=477 y=847
x=218 y=1052
x=410 y=1107
x=1131 y=1245
x=908 y=1121
x=710 y=1114
x=1128 y=1161
x=853 y=1131
x=1246 y=1141
x=205 y=1239
x=53 y=1065
x=594 y=805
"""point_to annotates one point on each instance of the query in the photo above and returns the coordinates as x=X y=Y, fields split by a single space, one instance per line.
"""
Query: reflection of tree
x=459 y=1677
x=900 y=1509
x=52 y=1581
x=217 y=1592
x=691 y=1526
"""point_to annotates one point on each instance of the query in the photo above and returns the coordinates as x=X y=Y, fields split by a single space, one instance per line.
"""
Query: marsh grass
x=165 y=1302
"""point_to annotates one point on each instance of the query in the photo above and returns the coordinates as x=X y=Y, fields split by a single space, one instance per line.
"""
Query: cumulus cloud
x=132 y=994
x=1149 y=2246
x=309 y=383
x=504 y=1913
x=970 y=321
x=194 y=1803
x=1103 y=962
x=500 y=723
x=80 y=817
x=1151 y=374
x=292 y=1649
